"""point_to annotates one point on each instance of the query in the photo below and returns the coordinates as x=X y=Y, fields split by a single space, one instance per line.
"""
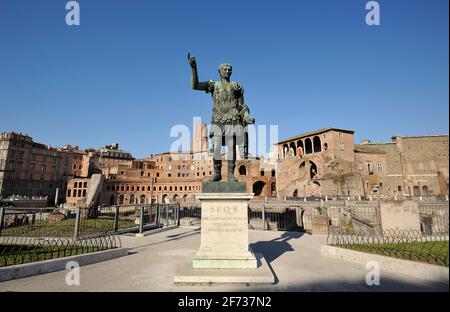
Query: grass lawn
x=65 y=228
x=11 y=254
x=435 y=252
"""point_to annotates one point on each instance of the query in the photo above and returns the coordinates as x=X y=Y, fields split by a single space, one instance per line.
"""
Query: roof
x=314 y=133
x=418 y=136
x=367 y=149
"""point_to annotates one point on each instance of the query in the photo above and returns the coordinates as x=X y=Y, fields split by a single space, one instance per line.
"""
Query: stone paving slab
x=294 y=258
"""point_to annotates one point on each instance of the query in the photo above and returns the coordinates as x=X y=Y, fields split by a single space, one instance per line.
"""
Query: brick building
x=416 y=165
x=327 y=162
x=318 y=163
x=28 y=168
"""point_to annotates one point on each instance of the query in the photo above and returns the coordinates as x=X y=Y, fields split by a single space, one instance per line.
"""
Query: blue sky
x=122 y=75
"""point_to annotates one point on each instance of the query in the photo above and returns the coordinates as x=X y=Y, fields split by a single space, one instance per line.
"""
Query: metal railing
x=405 y=244
x=80 y=222
x=24 y=249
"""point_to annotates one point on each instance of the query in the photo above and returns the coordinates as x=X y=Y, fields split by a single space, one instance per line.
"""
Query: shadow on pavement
x=276 y=247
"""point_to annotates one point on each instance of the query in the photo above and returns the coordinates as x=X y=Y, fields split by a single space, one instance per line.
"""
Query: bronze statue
x=230 y=116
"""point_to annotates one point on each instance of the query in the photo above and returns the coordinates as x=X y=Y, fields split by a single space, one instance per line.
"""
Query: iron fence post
x=178 y=214
x=264 y=216
x=2 y=217
x=157 y=213
x=141 y=219
x=77 y=222
x=167 y=215
x=116 y=219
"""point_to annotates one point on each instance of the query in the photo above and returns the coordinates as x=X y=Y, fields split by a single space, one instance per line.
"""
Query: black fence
x=412 y=245
x=81 y=222
x=24 y=249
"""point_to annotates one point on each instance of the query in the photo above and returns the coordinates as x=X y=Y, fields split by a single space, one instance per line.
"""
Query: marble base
x=213 y=260
x=224 y=232
x=186 y=275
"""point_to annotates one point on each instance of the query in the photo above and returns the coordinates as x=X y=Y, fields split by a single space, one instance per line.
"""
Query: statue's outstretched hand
x=192 y=61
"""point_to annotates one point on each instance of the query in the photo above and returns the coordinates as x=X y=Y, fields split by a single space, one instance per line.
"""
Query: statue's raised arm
x=196 y=85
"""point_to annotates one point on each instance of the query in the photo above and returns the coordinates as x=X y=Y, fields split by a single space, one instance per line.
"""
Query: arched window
x=308 y=146
x=143 y=199
x=317 y=144
x=300 y=148
x=121 y=199
x=425 y=190
x=111 y=199
x=312 y=170
x=292 y=149
x=242 y=170
x=416 y=190
x=285 y=150
x=295 y=194
x=131 y=199
x=273 y=189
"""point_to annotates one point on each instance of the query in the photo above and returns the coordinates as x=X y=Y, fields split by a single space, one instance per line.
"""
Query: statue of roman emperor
x=230 y=116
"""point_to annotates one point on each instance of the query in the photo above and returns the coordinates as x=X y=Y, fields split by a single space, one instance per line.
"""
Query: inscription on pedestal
x=224 y=232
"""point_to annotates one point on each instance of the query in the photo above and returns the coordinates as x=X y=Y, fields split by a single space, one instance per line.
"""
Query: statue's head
x=225 y=70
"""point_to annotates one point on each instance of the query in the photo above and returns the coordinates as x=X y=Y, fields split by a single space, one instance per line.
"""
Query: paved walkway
x=154 y=260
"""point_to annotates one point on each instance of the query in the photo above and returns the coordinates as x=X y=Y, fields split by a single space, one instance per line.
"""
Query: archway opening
x=258 y=188
x=312 y=170
x=242 y=170
x=308 y=146
x=292 y=149
x=300 y=148
x=317 y=144
x=273 y=189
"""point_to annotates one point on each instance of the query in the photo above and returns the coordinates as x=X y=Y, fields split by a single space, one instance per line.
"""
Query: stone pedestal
x=224 y=232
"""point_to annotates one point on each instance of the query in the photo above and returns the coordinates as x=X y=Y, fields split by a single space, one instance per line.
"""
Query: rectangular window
x=69 y=192
x=43 y=168
x=341 y=146
x=20 y=154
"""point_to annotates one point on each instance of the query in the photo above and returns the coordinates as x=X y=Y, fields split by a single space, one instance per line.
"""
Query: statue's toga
x=230 y=116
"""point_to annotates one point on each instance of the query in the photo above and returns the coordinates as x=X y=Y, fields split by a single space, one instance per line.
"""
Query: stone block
x=224 y=232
